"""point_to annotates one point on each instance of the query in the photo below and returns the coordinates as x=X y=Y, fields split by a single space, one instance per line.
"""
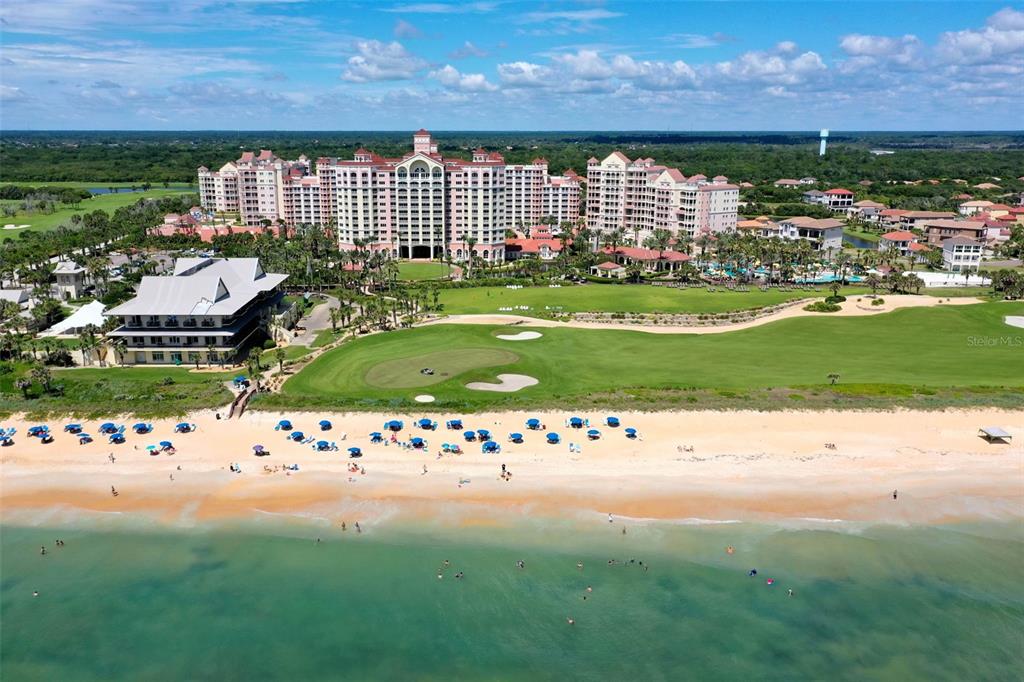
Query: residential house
x=648 y=259
x=889 y=217
x=814 y=196
x=838 y=199
x=72 y=280
x=210 y=310
x=544 y=249
x=19 y=297
x=938 y=231
x=808 y=181
x=960 y=254
x=972 y=207
x=823 y=233
x=907 y=244
x=865 y=210
x=912 y=219
x=787 y=182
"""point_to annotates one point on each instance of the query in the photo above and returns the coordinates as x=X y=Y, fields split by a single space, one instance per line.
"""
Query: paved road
x=319 y=318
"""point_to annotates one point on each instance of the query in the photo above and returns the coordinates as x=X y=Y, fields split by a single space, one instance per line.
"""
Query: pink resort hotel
x=425 y=205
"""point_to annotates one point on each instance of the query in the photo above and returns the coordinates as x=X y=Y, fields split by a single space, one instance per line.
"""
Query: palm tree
x=280 y=354
x=335 y=314
x=23 y=384
x=470 y=242
x=613 y=239
x=873 y=281
x=913 y=282
x=43 y=377
x=658 y=241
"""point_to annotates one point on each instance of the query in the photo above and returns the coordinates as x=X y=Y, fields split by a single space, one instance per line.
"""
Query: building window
x=158 y=356
x=176 y=357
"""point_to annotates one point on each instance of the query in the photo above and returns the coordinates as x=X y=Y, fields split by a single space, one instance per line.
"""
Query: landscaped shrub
x=835 y=299
x=878 y=301
x=268 y=344
x=821 y=307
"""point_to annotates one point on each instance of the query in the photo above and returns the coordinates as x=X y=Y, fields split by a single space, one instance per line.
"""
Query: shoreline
x=744 y=466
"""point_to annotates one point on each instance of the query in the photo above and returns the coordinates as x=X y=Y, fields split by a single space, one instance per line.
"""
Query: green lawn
x=926 y=357
x=99 y=392
x=269 y=357
x=416 y=271
x=616 y=298
x=867 y=236
x=106 y=202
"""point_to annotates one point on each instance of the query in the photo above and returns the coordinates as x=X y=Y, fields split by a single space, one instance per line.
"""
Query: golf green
x=947 y=355
x=408 y=372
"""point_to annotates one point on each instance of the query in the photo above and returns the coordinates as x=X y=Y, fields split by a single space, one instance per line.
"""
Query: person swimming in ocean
x=520 y=564
x=446 y=563
x=459 y=574
x=42 y=550
x=752 y=573
x=570 y=620
x=579 y=565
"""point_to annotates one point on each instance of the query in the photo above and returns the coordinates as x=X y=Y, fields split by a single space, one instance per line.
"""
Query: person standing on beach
x=894 y=494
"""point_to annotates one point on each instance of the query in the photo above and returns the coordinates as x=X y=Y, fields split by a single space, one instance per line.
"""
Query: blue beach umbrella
x=533 y=423
x=325 y=425
x=491 y=446
x=107 y=427
x=284 y=425
x=166 y=444
x=470 y=435
x=483 y=434
x=183 y=427
x=297 y=435
x=394 y=425
x=117 y=438
x=575 y=422
x=455 y=424
x=425 y=423
x=84 y=438
x=553 y=438
x=355 y=452
x=630 y=433
x=322 y=445
x=417 y=442
x=515 y=437
x=240 y=379
x=70 y=428
x=376 y=437
x=611 y=421
x=593 y=434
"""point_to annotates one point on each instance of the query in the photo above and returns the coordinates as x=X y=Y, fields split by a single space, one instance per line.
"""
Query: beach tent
x=325 y=425
x=995 y=434
x=283 y=425
x=553 y=438
x=576 y=422
x=630 y=433
x=70 y=428
x=470 y=435
x=418 y=442
x=483 y=434
x=393 y=425
x=454 y=424
x=376 y=437
x=593 y=434
x=491 y=447
x=322 y=445
x=533 y=424
x=515 y=437
x=612 y=421
x=355 y=452
x=297 y=436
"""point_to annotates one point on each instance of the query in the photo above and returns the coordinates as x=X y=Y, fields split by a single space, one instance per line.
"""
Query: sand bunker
x=11 y=226
x=1015 y=321
x=521 y=336
x=424 y=398
x=509 y=383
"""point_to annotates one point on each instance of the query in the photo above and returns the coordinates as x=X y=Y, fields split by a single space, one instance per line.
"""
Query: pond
x=859 y=242
x=129 y=190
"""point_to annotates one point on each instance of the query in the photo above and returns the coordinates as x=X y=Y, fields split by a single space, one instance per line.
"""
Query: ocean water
x=269 y=603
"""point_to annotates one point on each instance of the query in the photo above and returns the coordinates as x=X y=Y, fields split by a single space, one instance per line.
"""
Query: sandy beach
x=688 y=467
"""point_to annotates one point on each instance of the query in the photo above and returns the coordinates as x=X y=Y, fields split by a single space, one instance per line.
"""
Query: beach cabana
x=166 y=444
x=283 y=425
x=469 y=435
x=454 y=424
x=297 y=436
x=995 y=434
x=70 y=428
x=116 y=438
x=322 y=445
x=553 y=438
x=576 y=422
x=393 y=425
x=325 y=425
x=533 y=424
x=418 y=442
x=142 y=428
x=630 y=433
x=84 y=438
x=376 y=437
x=108 y=427
x=593 y=434
x=355 y=452
x=491 y=447
x=483 y=434
x=515 y=437
x=612 y=422
x=427 y=424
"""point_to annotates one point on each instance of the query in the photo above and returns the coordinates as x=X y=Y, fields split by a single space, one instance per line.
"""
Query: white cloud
x=988 y=44
x=773 y=68
x=689 y=41
x=1006 y=19
x=451 y=78
x=468 y=49
x=868 y=51
x=404 y=29
x=560 y=22
x=524 y=75
x=444 y=8
x=10 y=93
x=378 y=61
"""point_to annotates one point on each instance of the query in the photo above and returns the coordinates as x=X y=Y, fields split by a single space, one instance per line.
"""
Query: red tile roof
x=609 y=266
x=645 y=254
x=899 y=236
x=838 y=191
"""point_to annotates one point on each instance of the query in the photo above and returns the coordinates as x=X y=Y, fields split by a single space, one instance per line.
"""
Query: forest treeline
x=159 y=157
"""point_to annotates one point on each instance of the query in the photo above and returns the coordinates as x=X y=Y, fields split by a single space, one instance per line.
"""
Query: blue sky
x=509 y=65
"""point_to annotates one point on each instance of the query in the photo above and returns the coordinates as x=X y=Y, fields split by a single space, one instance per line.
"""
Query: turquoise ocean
x=261 y=602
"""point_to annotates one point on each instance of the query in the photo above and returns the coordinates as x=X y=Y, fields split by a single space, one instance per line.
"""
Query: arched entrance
x=421 y=251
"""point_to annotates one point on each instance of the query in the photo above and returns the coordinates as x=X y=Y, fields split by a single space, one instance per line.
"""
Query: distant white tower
x=824 y=141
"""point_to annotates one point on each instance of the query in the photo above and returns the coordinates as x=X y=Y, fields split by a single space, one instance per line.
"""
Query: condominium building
x=419 y=205
x=209 y=311
x=640 y=196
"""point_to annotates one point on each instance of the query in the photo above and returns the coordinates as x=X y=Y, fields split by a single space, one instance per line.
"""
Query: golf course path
x=849 y=308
